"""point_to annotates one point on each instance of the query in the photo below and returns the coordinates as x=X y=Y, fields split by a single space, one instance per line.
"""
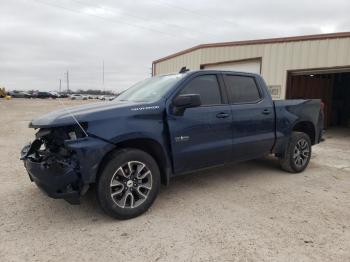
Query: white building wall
x=277 y=58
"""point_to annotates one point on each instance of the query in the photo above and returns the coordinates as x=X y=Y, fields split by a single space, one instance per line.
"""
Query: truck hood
x=83 y=113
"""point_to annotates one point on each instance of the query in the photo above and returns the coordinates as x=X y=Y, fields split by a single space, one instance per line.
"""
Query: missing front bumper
x=54 y=178
x=68 y=171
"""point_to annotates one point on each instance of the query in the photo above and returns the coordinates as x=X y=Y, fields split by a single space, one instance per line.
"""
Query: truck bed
x=288 y=112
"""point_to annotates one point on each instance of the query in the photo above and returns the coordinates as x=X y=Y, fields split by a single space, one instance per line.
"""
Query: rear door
x=253 y=126
x=202 y=137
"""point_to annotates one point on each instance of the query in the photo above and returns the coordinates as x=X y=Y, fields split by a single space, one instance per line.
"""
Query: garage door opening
x=333 y=88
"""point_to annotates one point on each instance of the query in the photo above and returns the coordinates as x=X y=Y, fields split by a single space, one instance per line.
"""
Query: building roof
x=259 y=41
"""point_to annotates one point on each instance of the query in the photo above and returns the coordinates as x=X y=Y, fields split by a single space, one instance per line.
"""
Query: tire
x=128 y=184
x=298 y=153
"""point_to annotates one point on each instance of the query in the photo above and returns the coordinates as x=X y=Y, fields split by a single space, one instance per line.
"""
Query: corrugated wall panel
x=342 y=54
x=323 y=56
x=277 y=58
x=190 y=60
x=313 y=53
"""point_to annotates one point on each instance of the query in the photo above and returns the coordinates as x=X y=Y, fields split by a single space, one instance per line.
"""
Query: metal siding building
x=277 y=59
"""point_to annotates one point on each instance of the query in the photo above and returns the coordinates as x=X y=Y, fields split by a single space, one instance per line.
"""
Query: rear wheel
x=298 y=153
x=128 y=184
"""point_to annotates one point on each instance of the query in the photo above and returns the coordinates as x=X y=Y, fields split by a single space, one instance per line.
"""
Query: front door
x=202 y=136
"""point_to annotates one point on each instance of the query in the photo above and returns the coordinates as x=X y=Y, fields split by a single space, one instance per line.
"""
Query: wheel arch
x=306 y=127
x=147 y=145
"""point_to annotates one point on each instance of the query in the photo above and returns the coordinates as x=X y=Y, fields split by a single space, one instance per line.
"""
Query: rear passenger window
x=207 y=87
x=242 y=89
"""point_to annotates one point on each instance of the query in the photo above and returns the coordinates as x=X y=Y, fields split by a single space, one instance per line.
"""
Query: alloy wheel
x=131 y=184
x=301 y=153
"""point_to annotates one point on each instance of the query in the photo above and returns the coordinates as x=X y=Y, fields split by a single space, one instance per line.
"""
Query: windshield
x=150 y=90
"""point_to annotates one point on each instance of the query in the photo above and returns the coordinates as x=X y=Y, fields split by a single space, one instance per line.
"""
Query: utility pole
x=60 y=85
x=67 y=81
x=103 y=77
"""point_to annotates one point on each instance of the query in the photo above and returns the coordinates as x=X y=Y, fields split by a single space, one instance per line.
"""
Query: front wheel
x=128 y=184
x=298 y=153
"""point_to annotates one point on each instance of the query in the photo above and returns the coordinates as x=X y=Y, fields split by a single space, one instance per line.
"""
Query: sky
x=41 y=39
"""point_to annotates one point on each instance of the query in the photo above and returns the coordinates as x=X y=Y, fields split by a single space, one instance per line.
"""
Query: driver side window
x=207 y=87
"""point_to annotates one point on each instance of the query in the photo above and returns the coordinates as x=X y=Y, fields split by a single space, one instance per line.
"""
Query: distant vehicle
x=167 y=126
x=54 y=93
x=92 y=96
x=44 y=95
x=19 y=94
x=27 y=95
x=63 y=95
x=78 y=97
x=109 y=98
x=101 y=97
x=106 y=97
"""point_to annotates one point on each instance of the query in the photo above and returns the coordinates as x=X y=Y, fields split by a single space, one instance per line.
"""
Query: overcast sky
x=41 y=39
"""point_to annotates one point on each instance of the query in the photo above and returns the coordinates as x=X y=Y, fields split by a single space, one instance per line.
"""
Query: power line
x=116 y=21
x=212 y=18
x=182 y=9
x=145 y=19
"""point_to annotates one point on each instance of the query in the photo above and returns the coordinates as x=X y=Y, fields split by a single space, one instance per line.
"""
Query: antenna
x=70 y=113
x=183 y=70
x=60 y=85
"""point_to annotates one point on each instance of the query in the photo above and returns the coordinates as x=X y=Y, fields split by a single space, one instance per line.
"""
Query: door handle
x=266 y=111
x=222 y=115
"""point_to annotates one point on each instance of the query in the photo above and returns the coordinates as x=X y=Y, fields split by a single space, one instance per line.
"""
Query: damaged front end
x=52 y=166
x=61 y=161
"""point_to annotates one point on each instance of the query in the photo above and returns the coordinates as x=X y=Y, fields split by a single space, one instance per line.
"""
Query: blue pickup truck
x=163 y=127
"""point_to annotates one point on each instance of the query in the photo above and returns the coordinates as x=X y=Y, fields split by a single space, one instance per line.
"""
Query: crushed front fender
x=65 y=175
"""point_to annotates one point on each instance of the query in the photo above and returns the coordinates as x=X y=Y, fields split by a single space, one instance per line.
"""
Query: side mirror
x=182 y=102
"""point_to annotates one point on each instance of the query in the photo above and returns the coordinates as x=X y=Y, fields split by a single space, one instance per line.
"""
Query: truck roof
x=213 y=71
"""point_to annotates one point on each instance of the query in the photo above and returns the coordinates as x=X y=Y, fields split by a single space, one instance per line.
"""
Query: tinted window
x=207 y=87
x=241 y=89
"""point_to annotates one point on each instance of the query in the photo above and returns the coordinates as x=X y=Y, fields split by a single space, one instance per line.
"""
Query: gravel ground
x=247 y=212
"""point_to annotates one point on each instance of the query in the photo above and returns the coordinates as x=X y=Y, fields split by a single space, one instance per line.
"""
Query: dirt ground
x=247 y=212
